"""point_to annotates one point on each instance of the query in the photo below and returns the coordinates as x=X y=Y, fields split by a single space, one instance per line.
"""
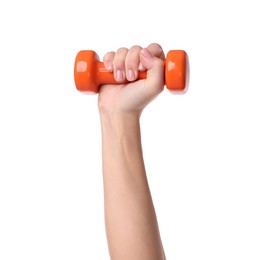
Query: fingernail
x=146 y=53
x=131 y=75
x=109 y=66
x=119 y=75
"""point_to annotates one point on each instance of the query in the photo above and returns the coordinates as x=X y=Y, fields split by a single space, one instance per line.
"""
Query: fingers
x=152 y=56
x=156 y=50
x=125 y=63
x=108 y=60
x=152 y=59
x=119 y=64
x=132 y=62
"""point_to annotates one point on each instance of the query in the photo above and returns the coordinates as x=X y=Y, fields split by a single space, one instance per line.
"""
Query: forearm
x=131 y=225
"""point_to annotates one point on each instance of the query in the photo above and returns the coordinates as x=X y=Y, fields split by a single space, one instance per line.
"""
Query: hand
x=134 y=96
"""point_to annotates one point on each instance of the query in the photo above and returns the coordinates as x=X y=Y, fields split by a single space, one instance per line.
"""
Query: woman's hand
x=125 y=63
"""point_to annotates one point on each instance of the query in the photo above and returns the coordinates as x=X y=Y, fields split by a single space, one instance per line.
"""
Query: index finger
x=156 y=50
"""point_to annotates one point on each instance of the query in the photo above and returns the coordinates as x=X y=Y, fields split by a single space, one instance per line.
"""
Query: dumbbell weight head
x=177 y=71
x=90 y=73
x=85 y=68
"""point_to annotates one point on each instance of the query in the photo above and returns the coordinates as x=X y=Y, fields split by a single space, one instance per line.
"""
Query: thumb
x=155 y=70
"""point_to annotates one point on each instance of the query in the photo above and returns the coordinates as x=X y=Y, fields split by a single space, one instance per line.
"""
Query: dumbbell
x=90 y=73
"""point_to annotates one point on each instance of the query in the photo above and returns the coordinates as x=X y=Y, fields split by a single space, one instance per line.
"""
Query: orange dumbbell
x=90 y=73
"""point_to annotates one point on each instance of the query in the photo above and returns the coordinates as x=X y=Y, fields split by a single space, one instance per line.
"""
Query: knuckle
x=157 y=50
x=156 y=46
x=135 y=48
x=132 y=59
x=120 y=56
x=109 y=56
x=122 y=50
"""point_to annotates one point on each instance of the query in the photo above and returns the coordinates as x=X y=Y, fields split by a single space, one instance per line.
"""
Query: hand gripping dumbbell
x=90 y=73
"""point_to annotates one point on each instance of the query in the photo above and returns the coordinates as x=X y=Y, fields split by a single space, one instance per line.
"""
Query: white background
x=201 y=149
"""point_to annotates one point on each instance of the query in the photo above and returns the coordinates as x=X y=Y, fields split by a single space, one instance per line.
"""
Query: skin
x=130 y=219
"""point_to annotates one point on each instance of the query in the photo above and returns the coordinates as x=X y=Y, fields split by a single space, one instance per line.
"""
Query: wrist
x=119 y=117
x=118 y=123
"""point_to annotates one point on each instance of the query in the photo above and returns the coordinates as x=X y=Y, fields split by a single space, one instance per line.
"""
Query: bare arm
x=131 y=224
